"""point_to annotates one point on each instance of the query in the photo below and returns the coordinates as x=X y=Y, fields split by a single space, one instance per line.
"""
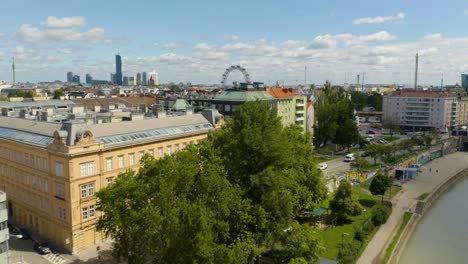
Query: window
x=38 y=162
x=160 y=152
x=3 y=225
x=2 y=205
x=60 y=190
x=141 y=154
x=169 y=150
x=131 y=159
x=88 y=212
x=3 y=247
x=44 y=164
x=87 y=169
x=176 y=147
x=46 y=186
x=87 y=190
x=110 y=180
x=109 y=164
x=62 y=213
x=121 y=161
x=184 y=145
x=32 y=161
x=59 y=169
x=151 y=152
x=85 y=213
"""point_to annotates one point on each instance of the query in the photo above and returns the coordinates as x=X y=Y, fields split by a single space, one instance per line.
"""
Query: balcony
x=299 y=118
x=299 y=111
x=299 y=103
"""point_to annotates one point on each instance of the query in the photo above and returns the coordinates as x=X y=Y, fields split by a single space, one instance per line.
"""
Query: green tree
x=300 y=245
x=220 y=201
x=58 y=94
x=348 y=253
x=392 y=126
x=359 y=164
x=418 y=141
x=374 y=150
x=380 y=184
x=344 y=204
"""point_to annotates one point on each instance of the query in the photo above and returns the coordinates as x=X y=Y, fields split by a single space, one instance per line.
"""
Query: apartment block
x=421 y=110
x=51 y=172
x=291 y=107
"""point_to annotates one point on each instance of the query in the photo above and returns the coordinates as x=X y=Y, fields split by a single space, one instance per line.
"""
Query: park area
x=352 y=234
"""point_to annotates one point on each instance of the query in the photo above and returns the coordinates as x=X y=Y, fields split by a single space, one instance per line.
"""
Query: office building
x=125 y=81
x=89 y=78
x=118 y=70
x=112 y=77
x=76 y=79
x=52 y=171
x=464 y=81
x=138 y=79
x=291 y=106
x=4 y=235
x=420 y=110
x=69 y=77
x=144 y=80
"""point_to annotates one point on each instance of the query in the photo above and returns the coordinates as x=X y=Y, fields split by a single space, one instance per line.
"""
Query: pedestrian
x=437 y=171
x=430 y=169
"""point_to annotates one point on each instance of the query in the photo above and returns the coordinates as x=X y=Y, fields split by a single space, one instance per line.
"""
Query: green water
x=442 y=235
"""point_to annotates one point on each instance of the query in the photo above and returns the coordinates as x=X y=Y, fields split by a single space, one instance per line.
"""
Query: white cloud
x=23 y=54
x=64 y=50
x=235 y=38
x=202 y=46
x=59 y=29
x=433 y=37
x=466 y=12
x=379 y=19
x=64 y=22
x=172 y=45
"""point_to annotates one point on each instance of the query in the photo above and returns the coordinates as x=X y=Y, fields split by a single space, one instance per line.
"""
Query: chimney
x=72 y=128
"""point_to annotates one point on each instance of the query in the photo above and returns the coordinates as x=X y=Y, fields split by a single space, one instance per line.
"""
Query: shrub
x=368 y=227
x=360 y=235
x=381 y=214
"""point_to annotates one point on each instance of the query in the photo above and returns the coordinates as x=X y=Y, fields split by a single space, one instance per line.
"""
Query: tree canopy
x=380 y=183
x=222 y=200
x=58 y=94
x=344 y=204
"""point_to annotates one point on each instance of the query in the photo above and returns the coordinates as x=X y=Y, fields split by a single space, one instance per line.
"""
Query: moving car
x=323 y=166
x=349 y=157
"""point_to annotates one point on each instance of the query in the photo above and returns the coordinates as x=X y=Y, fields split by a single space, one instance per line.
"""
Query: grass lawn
x=391 y=247
x=324 y=159
x=390 y=138
x=331 y=237
x=423 y=196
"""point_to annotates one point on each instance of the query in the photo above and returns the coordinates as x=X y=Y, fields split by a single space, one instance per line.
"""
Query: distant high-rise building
x=112 y=77
x=131 y=80
x=138 y=78
x=69 y=77
x=153 y=78
x=76 y=79
x=89 y=78
x=118 y=70
x=464 y=81
x=144 y=80
x=125 y=80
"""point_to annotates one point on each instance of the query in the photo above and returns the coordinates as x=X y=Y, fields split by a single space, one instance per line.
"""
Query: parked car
x=349 y=157
x=382 y=141
x=371 y=132
x=41 y=249
x=323 y=166
x=370 y=137
x=364 y=154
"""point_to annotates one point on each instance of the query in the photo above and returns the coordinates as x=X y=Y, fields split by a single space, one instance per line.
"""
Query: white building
x=153 y=78
x=420 y=110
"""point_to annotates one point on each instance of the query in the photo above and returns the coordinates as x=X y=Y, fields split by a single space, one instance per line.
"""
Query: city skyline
x=274 y=42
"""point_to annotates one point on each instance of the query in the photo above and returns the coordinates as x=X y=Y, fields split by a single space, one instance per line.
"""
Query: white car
x=322 y=166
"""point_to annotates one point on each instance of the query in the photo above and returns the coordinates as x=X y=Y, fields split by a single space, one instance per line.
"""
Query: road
x=425 y=182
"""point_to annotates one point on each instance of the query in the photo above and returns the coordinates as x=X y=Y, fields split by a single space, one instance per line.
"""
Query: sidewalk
x=447 y=166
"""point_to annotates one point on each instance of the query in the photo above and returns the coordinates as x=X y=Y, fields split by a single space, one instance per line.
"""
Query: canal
x=442 y=235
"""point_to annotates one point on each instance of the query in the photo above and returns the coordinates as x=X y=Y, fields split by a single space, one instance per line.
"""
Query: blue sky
x=196 y=40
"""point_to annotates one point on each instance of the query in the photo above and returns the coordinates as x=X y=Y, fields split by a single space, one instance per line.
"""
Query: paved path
x=447 y=166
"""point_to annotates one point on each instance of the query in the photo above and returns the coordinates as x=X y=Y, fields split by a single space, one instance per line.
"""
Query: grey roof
x=40 y=103
x=25 y=137
x=32 y=126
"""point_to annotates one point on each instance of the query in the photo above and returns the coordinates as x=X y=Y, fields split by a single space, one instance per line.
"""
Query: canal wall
x=421 y=208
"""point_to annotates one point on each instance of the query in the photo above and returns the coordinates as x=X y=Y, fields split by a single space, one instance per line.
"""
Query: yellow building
x=52 y=171
x=462 y=110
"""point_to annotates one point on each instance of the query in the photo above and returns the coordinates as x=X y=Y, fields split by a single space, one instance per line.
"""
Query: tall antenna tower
x=357 y=83
x=13 y=68
x=305 y=76
x=416 y=73
x=362 y=86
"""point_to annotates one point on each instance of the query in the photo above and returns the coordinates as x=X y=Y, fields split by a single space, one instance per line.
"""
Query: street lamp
x=16 y=236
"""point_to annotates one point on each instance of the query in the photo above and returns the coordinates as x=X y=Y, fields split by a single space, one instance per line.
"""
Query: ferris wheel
x=235 y=68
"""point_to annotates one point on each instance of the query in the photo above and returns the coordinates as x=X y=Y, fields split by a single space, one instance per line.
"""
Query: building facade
x=420 y=110
x=69 y=77
x=4 y=235
x=291 y=107
x=462 y=109
x=89 y=78
x=144 y=80
x=52 y=171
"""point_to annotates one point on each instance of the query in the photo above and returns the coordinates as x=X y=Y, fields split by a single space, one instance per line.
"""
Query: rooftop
x=243 y=96
x=415 y=93
x=279 y=92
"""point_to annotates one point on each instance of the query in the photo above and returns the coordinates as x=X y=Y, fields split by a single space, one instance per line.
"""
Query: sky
x=195 y=41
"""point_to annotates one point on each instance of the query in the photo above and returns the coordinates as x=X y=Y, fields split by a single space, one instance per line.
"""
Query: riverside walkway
x=442 y=169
